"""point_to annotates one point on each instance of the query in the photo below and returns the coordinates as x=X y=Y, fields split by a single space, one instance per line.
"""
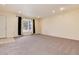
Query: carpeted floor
x=40 y=45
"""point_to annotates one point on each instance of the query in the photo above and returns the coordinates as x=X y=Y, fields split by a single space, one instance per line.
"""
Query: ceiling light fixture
x=19 y=12
x=53 y=11
x=61 y=9
x=38 y=17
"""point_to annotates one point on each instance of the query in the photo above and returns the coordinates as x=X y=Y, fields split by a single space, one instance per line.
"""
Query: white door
x=2 y=27
x=27 y=26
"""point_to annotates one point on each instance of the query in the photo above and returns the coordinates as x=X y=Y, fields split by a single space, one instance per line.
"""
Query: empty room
x=39 y=29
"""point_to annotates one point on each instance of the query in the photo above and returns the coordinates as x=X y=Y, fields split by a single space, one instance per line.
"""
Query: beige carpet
x=6 y=40
x=40 y=45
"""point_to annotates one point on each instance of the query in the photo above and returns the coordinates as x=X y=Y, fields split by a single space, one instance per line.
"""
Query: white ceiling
x=34 y=10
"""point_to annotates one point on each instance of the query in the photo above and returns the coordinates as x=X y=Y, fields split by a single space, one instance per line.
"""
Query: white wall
x=65 y=25
x=12 y=26
x=2 y=27
x=11 y=23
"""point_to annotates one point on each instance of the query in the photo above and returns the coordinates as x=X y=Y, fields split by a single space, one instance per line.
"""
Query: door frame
x=30 y=31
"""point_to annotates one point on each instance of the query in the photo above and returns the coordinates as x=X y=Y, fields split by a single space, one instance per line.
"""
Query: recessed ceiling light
x=19 y=12
x=38 y=17
x=53 y=11
x=61 y=8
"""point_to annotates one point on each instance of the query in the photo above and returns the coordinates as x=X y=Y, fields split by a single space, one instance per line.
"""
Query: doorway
x=27 y=26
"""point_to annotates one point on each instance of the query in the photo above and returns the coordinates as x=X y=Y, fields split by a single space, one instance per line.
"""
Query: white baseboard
x=64 y=37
